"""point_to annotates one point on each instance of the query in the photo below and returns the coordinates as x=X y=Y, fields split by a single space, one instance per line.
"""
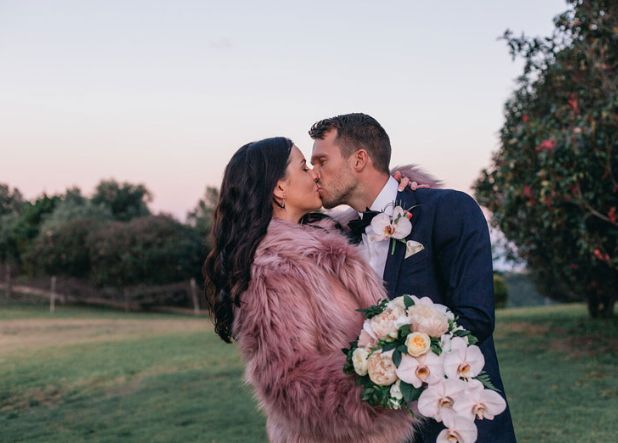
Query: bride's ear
x=279 y=191
x=279 y=194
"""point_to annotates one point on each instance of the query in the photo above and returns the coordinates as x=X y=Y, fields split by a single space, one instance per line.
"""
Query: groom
x=351 y=155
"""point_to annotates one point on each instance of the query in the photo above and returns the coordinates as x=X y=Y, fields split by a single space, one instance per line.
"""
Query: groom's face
x=336 y=180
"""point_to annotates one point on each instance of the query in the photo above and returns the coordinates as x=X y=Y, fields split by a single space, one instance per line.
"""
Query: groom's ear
x=360 y=160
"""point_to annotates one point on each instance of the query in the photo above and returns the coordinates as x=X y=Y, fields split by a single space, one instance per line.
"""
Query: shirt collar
x=387 y=196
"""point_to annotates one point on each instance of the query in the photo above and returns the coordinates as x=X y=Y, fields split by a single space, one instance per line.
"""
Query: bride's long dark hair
x=241 y=219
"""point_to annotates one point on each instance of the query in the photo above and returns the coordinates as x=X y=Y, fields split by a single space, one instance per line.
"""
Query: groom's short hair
x=356 y=131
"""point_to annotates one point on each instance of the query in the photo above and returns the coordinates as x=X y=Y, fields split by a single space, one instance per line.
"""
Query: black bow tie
x=358 y=226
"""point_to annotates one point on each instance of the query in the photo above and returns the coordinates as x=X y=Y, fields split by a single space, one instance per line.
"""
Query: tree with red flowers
x=552 y=184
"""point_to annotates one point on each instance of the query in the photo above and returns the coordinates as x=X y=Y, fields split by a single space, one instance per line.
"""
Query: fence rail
x=135 y=298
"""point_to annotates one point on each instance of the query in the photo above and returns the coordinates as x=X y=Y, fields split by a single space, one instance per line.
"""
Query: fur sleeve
x=298 y=383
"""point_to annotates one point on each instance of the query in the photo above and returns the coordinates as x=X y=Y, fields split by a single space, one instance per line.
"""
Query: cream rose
x=425 y=318
x=359 y=360
x=397 y=305
x=418 y=343
x=381 y=369
x=384 y=325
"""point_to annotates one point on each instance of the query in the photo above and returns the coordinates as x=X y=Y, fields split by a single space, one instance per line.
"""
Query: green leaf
x=407 y=301
x=404 y=331
x=388 y=346
x=483 y=377
x=374 y=310
x=472 y=340
x=397 y=357
x=436 y=346
x=410 y=393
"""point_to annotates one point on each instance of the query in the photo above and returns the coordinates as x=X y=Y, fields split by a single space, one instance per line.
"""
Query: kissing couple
x=286 y=282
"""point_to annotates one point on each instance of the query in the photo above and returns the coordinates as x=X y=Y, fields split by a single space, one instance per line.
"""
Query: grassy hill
x=99 y=375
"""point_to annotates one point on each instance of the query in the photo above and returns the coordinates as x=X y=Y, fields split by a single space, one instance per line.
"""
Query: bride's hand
x=405 y=181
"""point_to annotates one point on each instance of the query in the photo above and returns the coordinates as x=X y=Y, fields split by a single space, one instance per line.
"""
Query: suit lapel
x=406 y=199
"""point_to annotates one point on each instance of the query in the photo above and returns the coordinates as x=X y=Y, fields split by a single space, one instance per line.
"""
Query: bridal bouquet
x=411 y=353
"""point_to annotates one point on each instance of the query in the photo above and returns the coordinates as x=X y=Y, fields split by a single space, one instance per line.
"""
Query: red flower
x=612 y=215
x=525 y=118
x=603 y=256
x=546 y=145
x=528 y=192
x=573 y=266
x=573 y=103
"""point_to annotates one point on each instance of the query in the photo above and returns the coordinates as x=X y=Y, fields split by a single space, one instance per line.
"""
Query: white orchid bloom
x=463 y=361
x=427 y=368
x=458 y=430
x=438 y=399
x=479 y=402
x=397 y=226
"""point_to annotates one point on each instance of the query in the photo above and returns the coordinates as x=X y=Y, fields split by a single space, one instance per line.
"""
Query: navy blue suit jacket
x=454 y=269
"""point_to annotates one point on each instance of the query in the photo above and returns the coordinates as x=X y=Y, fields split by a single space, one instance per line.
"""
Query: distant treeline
x=108 y=239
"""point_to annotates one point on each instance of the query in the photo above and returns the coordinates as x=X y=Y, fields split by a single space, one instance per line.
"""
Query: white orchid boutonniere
x=395 y=227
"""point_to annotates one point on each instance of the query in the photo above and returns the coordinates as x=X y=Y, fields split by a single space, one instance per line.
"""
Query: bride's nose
x=315 y=176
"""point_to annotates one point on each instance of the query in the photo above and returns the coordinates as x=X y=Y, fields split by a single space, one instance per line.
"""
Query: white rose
x=446 y=311
x=396 y=391
x=396 y=396
x=425 y=318
x=359 y=360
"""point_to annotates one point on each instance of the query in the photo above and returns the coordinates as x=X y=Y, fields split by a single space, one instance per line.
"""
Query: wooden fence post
x=52 y=297
x=196 y=305
x=7 y=275
x=125 y=293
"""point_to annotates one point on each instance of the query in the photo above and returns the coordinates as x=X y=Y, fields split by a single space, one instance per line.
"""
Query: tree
x=18 y=230
x=74 y=206
x=552 y=184
x=61 y=248
x=145 y=250
x=11 y=204
x=124 y=200
x=201 y=216
x=11 y=201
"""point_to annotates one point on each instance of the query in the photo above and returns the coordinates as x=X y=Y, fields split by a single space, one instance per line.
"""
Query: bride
x=285 y=284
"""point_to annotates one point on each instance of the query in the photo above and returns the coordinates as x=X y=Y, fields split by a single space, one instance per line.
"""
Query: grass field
x=99 y=375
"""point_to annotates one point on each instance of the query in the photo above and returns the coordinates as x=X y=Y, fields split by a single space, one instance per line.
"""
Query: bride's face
x=299 y=185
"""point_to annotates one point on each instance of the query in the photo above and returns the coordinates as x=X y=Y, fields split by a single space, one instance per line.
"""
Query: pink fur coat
x=294 y=319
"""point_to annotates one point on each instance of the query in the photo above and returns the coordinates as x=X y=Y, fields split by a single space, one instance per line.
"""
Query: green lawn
x=99 y=375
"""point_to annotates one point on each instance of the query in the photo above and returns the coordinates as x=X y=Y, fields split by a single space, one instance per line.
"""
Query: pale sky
x=164 y=92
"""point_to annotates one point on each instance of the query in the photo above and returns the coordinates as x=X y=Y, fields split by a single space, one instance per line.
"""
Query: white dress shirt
x=376 y=252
